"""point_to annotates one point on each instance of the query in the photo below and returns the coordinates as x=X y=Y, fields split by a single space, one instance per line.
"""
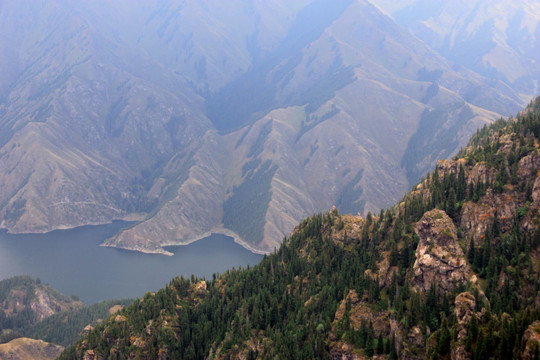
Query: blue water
x=72 y=262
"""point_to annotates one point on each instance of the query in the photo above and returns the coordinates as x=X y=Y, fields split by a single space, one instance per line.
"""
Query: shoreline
x=8 y=230
x=221 y=231
x=159 y=251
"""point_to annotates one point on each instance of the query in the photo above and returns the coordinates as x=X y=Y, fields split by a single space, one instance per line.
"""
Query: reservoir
x=72 y=262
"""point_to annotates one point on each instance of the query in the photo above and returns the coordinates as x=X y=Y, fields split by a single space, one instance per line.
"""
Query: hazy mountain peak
x=498 y=39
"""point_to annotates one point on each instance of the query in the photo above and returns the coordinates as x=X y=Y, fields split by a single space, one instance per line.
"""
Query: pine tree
x=380 y=345
x=461 y=184
x=451 y=204
x=471 y=252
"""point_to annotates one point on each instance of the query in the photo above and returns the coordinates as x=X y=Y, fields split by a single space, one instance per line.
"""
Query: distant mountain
x=31 y=310
x=498 y=39
x=451 y=271
x=25 y=301
x=84 y=122
x=241 y=118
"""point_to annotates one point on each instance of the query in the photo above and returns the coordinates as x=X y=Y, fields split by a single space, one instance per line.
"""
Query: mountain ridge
x=491 y=38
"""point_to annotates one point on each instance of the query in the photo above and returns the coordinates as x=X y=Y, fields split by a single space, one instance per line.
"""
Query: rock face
x=532 y=341
x=439 y=258
x=24 y=349
x=41 y=300
x=476 y=218
x=360 y=311
x=463 y=311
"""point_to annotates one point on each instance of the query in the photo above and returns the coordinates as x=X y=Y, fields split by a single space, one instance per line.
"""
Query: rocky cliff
x=440 y=262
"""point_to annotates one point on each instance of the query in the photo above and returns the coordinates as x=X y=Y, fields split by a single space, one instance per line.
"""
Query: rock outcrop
x=531 y=339
x=476 y=218
x=464 y=310
x=360 y=312
x=439 y=258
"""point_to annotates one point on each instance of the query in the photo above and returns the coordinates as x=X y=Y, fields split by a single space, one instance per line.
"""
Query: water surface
x=72 y=262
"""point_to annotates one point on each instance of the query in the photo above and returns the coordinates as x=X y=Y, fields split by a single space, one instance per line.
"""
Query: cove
x=72 y=262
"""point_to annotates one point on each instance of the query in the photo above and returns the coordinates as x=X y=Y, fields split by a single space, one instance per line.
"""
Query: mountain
x=65 y=327
x=24 y=301
x=32 y=310
x=451 y=271
x=80 y=124
x=240 y=118
x=498 y=39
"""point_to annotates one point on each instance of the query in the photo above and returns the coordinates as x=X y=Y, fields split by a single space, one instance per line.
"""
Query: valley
x=307 y=179
x=450 y=270
x=117 y=112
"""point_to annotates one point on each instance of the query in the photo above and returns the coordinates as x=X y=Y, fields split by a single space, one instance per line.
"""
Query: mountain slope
x=450 y=271
x=357 y=89
x=30 y=309
x=80 y=126
x=25 y=302
x=169 y=112
x=496 y=39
